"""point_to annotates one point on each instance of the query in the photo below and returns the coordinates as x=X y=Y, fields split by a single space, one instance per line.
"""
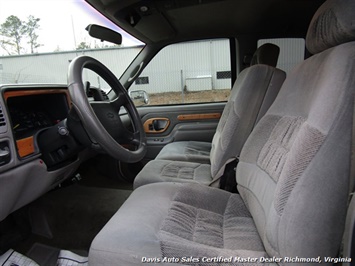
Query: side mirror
x=139 y=97
x=104 y=34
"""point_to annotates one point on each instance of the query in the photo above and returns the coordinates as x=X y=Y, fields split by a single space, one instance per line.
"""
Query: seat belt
x=228 y=180
x=229 y=167
x=348 y=245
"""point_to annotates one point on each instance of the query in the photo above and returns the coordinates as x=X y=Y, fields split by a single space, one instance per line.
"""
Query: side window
x=190 y=72
x=291 y=51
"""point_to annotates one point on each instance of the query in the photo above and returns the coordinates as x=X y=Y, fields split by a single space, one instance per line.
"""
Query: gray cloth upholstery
x=293 y=179
x=198 y=151
x=296 y=161
x=255 y=88
x=189 y=151
x=173 y=171
x=175 y=220
x=333 y=24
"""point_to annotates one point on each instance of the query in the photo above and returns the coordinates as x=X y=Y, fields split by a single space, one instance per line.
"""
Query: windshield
x=39 y=38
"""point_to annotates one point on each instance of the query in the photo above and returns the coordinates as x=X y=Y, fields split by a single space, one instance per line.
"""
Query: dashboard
x=32 y=110
x=34 y=156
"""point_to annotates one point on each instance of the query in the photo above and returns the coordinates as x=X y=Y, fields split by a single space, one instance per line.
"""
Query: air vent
x=2 y=121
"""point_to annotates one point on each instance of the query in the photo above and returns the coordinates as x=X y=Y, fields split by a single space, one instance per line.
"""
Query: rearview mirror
x=104 y=34
x=139 y=97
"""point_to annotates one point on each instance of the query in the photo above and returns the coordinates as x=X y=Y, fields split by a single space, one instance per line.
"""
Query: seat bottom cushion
x=172 y=220
x=173 y=171
x=188 y=151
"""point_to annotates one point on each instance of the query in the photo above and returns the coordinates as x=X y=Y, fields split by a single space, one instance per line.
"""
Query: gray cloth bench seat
x=293 y=174
x=199 y=151
x=174 y=220
x=254 y=90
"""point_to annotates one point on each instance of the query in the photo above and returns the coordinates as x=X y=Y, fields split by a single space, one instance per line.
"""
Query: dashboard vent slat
x=2 y=120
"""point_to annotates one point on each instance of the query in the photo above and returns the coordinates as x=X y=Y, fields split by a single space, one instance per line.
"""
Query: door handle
x=159 y=124
x=156 y=125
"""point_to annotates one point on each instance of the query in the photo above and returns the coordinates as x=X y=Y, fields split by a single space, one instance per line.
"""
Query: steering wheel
x=101 y=119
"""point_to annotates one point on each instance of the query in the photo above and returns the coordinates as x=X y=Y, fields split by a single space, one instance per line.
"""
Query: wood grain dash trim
x=199 y=116
x=25 y=146
x=17 y=93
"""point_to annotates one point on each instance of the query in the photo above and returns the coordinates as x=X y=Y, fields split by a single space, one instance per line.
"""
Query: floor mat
x=44 y=256
x=11 y=257
x=68 y=258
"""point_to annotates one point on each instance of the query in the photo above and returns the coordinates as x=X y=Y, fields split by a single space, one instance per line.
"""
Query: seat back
x=253 y=92
x=294 y=168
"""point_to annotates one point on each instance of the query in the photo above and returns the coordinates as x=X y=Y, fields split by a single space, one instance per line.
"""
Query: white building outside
x=203 y=65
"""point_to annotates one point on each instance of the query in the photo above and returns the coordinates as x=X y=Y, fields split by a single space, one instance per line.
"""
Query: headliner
x=179 y=20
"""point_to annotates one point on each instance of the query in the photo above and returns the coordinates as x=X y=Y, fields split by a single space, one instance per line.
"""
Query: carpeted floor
x=69 y=218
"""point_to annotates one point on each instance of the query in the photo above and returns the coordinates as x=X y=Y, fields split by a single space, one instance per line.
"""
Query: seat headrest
x=332 y=24
x=266 y=54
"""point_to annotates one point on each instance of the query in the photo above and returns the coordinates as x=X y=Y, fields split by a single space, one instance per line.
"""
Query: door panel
x=166 y=124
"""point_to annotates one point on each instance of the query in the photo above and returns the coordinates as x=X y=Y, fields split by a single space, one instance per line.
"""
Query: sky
x=62 y=22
